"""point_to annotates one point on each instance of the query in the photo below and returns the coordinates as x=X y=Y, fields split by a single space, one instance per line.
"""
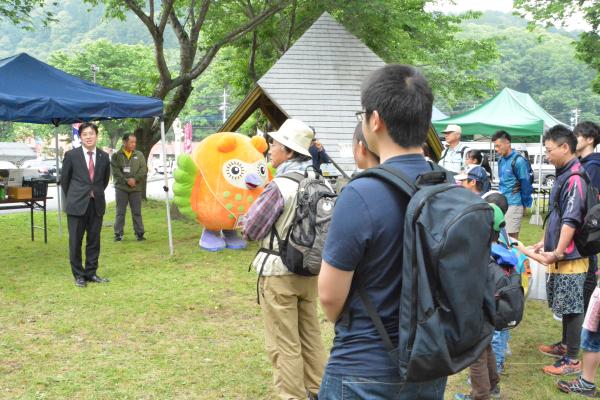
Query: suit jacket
x=76 y=184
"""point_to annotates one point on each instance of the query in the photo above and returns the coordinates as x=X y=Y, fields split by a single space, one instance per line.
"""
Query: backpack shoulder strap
x=293 y=176
x=391 y=176
x=560 y=188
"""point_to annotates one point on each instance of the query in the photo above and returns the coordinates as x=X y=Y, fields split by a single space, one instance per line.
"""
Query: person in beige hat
x=288 y=301
x=453 y=156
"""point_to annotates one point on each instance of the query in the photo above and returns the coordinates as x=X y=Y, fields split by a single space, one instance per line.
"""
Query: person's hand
x=318 y=145
x=550 y=257
x=131 y=182
x=538 y=246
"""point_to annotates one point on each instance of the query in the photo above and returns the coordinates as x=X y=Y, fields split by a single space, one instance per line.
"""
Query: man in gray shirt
x=453 y=155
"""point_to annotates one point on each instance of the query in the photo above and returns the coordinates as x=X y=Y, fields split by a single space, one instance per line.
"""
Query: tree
x=129 y=68
x=202 y=29
x=400 y=31
x=553 y=12
x=19 y=12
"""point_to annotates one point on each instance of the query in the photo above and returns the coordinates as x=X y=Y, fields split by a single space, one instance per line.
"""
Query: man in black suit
x=85 y=174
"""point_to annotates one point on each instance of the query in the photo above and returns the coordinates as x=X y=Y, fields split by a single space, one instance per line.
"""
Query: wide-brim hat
x=295 y=135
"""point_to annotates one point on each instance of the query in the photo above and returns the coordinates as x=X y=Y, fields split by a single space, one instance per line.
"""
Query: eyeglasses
x=360 y=115
x=548 y=151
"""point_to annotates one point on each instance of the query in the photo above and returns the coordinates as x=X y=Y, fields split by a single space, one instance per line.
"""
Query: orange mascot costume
x=218 y=183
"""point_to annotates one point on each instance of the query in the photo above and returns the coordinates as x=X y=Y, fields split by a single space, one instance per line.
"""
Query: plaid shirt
x=263 y=213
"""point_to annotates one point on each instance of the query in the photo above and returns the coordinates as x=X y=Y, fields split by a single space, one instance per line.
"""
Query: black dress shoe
x=97 y=279
x=80 y=282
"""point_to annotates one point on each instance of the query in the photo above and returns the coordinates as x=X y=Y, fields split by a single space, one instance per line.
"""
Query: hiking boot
x=577 y=386
x=563 y=366
x=554 y=350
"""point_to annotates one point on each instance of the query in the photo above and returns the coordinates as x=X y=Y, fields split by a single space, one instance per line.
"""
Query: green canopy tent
x=512 y=111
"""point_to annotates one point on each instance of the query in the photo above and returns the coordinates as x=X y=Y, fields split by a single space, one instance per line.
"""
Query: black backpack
x=302 y=248
x=587 y=237
x=446 y=305
x=508 y=292
x=530 y=172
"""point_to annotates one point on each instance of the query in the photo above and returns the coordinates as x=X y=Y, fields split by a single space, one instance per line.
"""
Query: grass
x=181 y=327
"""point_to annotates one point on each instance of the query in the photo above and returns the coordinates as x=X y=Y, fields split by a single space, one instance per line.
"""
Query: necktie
x=91 y=165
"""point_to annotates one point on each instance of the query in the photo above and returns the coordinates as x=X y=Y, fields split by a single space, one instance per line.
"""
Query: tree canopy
x=559 y=12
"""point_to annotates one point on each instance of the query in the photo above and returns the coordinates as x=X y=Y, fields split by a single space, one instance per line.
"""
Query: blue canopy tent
x=34 y=92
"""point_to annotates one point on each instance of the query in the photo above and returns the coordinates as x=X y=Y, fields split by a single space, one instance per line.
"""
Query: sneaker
x=500 y=369
x=554 y=350
x=140 y=237
x=118 y=238
x=577 y=386
x=495 y=392
x=563 y=366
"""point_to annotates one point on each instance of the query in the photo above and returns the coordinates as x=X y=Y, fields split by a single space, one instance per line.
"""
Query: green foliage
x=129 y=68
x=399 y=31
x=542 y=64
x=558 y=12
x=19 y=12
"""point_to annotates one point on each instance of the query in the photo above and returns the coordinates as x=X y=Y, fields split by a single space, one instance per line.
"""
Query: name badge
x=127 y=169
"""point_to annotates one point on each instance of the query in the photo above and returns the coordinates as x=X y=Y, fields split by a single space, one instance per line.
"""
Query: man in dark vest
x=129 y=171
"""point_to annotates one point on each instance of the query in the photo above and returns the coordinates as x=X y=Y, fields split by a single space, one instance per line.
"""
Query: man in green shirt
x=129 y=172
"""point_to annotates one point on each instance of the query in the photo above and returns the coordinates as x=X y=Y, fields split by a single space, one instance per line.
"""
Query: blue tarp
x=32 y=91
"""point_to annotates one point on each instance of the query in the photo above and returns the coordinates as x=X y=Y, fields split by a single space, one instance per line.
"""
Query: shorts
x=513 y=218
x=590 y=341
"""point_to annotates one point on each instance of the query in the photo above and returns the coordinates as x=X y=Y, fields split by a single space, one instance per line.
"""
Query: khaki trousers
x=292 y=334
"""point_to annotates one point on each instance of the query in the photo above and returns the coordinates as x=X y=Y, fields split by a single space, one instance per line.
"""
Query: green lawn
x=185 y=327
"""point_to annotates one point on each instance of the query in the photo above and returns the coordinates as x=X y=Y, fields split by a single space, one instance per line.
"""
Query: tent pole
x=58 y=194
x=166 y=186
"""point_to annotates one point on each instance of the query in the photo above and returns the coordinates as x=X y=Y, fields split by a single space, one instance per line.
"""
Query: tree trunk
x=151 y=130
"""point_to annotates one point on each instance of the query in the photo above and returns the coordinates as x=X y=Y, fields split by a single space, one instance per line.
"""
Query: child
x=484 y=377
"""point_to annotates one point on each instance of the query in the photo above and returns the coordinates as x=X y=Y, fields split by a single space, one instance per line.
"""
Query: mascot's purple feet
x=233 y=241
x=212 y=241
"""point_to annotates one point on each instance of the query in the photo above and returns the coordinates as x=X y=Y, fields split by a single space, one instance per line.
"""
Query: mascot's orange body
x=218 y=184
x=232 y=173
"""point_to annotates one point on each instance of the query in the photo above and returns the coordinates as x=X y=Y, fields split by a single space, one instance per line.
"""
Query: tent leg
x=166 y=186
x=58 y=189
x=536 y=219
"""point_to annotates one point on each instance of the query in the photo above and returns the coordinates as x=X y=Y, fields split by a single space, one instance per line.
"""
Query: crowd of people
x=363 y=237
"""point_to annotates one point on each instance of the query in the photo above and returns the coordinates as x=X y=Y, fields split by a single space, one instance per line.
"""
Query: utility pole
x=94 y=69
x=223 y=107
x=575 y=116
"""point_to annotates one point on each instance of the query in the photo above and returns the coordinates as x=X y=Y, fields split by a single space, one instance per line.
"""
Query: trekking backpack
x=508 y=291
x=302 y=247
x=587 y=237
x=530 y=172
x=446 y=303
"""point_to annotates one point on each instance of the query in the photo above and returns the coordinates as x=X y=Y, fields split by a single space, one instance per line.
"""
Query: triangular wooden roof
x=317 y=81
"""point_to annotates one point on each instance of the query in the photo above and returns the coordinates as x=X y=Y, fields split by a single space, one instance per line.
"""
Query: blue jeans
x=499 y=344
x=337 y=387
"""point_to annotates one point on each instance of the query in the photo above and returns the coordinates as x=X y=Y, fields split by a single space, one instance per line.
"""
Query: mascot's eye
x=234 y=169
x=262 y=170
